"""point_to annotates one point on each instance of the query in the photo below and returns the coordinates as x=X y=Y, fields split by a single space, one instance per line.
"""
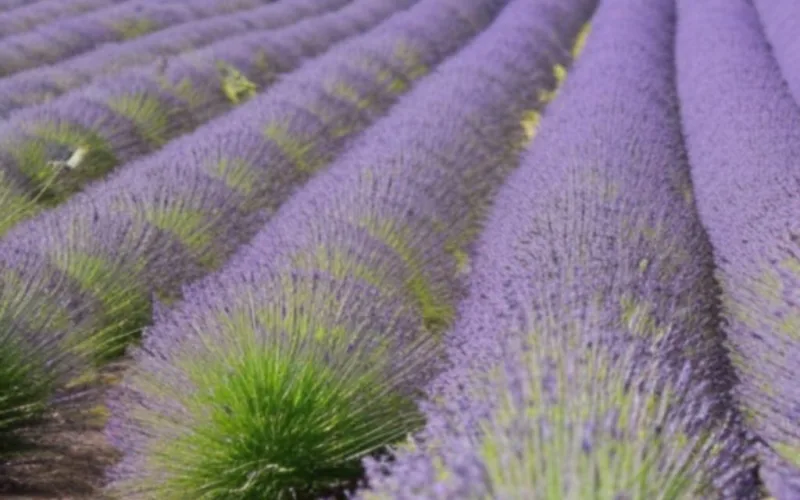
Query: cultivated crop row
x=587 y=342
x=58 y=40
x=747 y=184
x=48 y=152
x=407 y=249
x=326 y=324
x=44 y=83
x=94 y=263
x=25 y=17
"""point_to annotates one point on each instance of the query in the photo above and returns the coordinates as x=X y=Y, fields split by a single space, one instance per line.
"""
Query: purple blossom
x=587 y=359
x=747 y=183
x=26 y=17
x=61 y=39
x=43 y=83
x=13 y=4
x=40 y=369
x=123 y=117
x=781 y=21
x=128 y=243
x=352 y=280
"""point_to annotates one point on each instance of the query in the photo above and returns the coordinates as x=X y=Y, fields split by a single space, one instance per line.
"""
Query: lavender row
x=49 y=152
x=61 y=39
x=587 y=360
x=743 y=137
x=227 y=177
x=26 y=17
x=108 y=254
x=780 y=20
x=41 y=84
x=555 y=419
x=317 y=335
x=6 y=5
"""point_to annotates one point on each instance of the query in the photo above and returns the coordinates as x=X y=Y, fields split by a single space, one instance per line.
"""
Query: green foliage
x=14 y=205
x=35 y=364
x=433 y=300
x=789 y=452
x=300 y=151
x=25 y=388
x=151 y=116
x=134 y=28
x=636 y=446
x=281 y=407
x=123 y=305
x=60 y=159
x=236 y=86
x=192 y=227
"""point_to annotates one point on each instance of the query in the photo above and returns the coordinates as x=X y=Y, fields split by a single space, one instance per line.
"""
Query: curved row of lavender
x=44 y=83
x=743 y=137
x=587 y=360
x=61 y=39
x=49 y=152
x=174 y=216
x=781 y=22
x=153 y=221
x=6 y=5
x=28 y=16
x=311 y=343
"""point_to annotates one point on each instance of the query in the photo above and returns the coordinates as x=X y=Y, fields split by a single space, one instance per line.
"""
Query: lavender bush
x=746 y=178
x=121 y=243
x=780 y=20
x=53 y=149
x=28 y=16
x=37 y=85
x=61 y=39
x=587 y=360
x=316 y=337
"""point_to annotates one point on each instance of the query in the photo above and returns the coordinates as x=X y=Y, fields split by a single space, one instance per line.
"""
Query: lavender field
x=400 y=249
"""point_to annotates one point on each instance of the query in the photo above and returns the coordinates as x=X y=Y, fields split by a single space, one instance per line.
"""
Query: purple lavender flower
x=6 y=5
x=781 y=20
x=27 y=17
x=61 y=39
x=587 y=362
x=129 y=243
x=37 y=85
x=172 y=217
x=747 y=184
x=317 y=337
x=60 y=145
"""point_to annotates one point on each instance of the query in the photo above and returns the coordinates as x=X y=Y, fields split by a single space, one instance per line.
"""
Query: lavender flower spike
x=171 y=218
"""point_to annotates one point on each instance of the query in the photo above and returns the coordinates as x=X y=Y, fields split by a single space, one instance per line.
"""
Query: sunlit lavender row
x=406 y=249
